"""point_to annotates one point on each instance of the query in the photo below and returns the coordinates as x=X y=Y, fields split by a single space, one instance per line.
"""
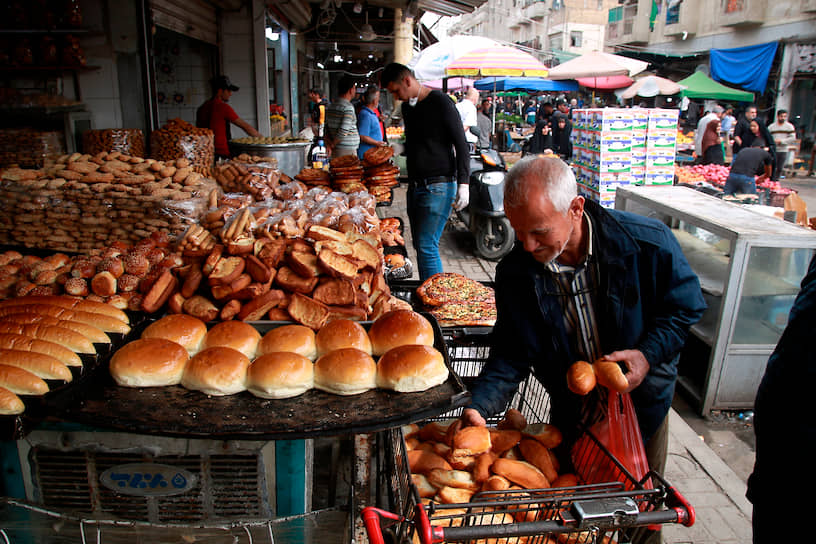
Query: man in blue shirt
x=368 y=122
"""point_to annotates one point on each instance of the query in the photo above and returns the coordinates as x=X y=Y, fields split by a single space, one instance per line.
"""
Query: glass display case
x=750 y=266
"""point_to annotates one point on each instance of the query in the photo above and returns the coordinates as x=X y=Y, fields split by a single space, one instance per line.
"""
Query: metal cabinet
x=750 y=266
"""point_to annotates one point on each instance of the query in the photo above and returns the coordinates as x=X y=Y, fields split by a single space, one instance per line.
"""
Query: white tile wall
x=189 y=69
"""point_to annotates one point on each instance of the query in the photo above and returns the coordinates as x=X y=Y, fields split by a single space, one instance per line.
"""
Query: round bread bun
x=280 y=375
x=237 y=335
x=346 y=371
x=411 y=368
x=292 y=338
x=183 y=329
x=149 y=362
x=399 y=328
x=342 y=333
x=217 y=371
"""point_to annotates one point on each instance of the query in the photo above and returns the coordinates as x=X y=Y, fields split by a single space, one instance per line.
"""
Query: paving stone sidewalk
x=712 y=487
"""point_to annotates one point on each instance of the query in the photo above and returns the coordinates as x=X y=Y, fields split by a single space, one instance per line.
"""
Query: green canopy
x=699 y=85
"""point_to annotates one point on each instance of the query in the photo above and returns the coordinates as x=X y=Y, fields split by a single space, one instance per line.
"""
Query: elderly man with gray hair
x=716 y=112
x=585 y=283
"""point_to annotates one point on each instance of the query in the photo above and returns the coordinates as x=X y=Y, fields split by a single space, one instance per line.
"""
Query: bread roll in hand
x=581 y=378
x=610 y=375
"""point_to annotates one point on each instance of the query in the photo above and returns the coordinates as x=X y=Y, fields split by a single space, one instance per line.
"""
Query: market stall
x=208 y=439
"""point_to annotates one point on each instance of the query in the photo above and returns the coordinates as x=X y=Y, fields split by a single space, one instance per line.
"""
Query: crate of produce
x=605 y=503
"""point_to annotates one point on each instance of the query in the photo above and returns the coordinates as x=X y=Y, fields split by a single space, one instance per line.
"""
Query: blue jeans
x=428 y=211
x=739 y=183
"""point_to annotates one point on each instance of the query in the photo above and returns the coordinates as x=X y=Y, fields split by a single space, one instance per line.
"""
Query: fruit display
x=686 y=175
x=685 y=138
x=394 y=132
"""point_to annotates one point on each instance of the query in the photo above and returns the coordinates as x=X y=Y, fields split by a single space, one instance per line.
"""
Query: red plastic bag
x=619 y=432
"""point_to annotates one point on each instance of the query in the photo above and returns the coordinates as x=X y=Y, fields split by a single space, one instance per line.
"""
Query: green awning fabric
x=699 y=85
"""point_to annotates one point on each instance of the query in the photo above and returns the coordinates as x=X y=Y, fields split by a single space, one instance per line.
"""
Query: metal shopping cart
x=608 y=505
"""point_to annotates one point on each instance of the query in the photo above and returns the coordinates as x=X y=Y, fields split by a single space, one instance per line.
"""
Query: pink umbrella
x=454 y=83
x=605 y=82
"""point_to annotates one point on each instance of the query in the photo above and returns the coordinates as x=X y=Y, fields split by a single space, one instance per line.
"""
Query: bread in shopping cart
x=457 y=462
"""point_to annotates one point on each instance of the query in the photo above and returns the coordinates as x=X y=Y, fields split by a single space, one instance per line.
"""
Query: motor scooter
x=484 y=214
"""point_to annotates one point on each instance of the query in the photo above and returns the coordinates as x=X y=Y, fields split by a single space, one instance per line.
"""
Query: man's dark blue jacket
x=648 y=298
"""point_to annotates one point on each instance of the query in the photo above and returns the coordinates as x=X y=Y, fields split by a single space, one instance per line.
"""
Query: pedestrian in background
x=749 y=162
x=716 y=113
x=437 y=157
x=341 y=136
x=368 y=122
x=784 y=135
x=467 y=111
x=712 y=143
x=485 y=125
x=728 y=119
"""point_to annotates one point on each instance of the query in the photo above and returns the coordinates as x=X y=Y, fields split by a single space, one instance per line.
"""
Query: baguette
x=93 y=334
x=536 y=454
x=24 y=343
x=454 y=478
x=104 y=322
x=21 y=382
x=521 y=473
x=42 y=366
x=70 y=303
x=51 y=333
x=10 y=404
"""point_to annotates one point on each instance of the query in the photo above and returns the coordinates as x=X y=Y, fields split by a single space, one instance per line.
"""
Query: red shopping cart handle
x=684 y=509
x=371 y=519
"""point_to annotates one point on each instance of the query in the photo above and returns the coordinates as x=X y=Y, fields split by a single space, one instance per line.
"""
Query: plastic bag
x=619 y=432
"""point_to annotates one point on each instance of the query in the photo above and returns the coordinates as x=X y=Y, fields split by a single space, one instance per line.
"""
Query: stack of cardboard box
x=615 y=147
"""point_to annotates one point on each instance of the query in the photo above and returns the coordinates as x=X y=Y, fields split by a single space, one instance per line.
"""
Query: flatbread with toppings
x=456 y=300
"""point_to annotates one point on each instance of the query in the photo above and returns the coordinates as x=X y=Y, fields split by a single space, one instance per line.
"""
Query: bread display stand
x=176 y=411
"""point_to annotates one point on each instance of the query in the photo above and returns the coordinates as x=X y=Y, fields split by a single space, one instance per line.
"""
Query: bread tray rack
x=176 y=411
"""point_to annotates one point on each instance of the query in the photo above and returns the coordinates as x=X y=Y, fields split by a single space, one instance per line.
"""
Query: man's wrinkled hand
x=472 y=418
x=462 y=197
x=636 y=365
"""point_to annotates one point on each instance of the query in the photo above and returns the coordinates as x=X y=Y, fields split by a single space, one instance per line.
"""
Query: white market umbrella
x=597 y=64
x=430 y=63
x=650 y=86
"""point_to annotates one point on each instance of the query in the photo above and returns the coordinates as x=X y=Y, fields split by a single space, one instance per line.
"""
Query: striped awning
x=498 y=60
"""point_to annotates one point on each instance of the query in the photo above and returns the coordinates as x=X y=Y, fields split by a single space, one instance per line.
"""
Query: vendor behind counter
x=217 y=115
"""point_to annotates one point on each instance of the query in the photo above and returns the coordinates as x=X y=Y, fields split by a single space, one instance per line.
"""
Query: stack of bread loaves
x=232 y=357
x=41 y=337
x=450 y=463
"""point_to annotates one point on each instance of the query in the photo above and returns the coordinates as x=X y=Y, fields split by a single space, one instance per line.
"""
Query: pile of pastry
x=287 y=361
x=42 y=338
x=310 y=280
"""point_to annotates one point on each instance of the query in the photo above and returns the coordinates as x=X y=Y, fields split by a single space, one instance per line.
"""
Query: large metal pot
x=291 y=156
